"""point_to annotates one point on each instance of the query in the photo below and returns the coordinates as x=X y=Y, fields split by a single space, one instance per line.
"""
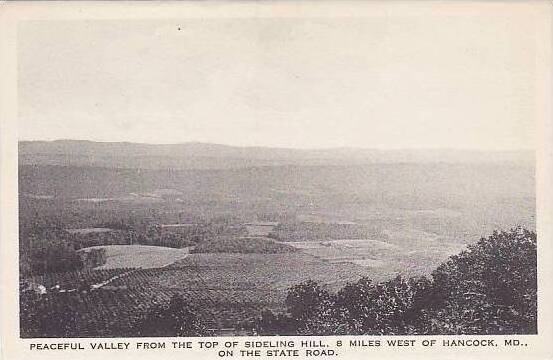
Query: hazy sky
x=374 y=82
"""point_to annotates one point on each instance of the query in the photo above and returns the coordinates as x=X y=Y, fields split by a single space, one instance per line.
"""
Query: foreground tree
x=38 y=320
x=306 y=300
x=270 y=323
x=175 y=319
x=490 y=288
x=392 y=307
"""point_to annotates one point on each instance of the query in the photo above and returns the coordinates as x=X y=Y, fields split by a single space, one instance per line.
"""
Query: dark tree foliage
x=36 y=320
x=311 y=308
x=175 y=319
x=43 y=250
x=270 y=323
x=242 y=245
x=306 y=300
x=391 y=307
x=490 y=288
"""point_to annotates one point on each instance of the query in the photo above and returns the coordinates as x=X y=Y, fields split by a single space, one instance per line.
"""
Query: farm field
x=413 y=253
x=139 y=256
x=260 y=228
x=231 y=279
x=268 y=271
x=244 y=245
x=86 y=231
x=226 y=288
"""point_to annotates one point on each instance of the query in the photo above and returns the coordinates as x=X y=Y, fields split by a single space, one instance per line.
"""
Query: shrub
x=175 y=319
x=490 y=288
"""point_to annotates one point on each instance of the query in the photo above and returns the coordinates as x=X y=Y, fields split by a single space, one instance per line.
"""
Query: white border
x=12 y=347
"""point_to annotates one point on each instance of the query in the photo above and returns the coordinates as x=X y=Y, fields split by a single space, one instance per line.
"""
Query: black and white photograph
x=282 y=174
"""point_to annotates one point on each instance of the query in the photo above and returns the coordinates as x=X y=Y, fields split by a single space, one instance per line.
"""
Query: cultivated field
x=227 y=289
x=139 y=256
x=243 y=245
x=403 y=252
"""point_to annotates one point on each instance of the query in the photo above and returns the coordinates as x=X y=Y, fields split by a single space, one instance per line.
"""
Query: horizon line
x=283 y=147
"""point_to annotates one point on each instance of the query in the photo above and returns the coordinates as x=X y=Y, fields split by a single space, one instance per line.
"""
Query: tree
x=355 y=301
x=490 y=288
x=311 y=307
x=391 y=307
x=270 y=323
x=39 y=320
x=305 y=300
x=175 y=319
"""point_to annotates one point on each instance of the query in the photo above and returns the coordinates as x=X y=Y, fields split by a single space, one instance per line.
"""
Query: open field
x=384 y=258
x=139 y=256
x=269 y=271
x=260 y=228
x=86 y=231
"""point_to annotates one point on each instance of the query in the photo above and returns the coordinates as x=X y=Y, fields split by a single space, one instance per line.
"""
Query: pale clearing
x=140 y=256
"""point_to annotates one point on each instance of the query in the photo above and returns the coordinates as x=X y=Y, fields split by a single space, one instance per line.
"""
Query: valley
x=110 y=242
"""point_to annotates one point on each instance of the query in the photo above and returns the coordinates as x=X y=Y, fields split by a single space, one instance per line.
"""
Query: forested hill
x=215 y=156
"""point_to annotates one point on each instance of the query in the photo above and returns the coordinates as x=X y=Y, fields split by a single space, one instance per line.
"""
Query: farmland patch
x=139 y=256
x=86 y=231
x=383 y=258
x=243 y=245
x=260 y=228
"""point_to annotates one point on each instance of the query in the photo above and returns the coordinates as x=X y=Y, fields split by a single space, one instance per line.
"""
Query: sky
x=372 y=82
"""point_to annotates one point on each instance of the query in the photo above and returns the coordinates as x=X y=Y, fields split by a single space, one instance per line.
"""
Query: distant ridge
x=197 y=155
